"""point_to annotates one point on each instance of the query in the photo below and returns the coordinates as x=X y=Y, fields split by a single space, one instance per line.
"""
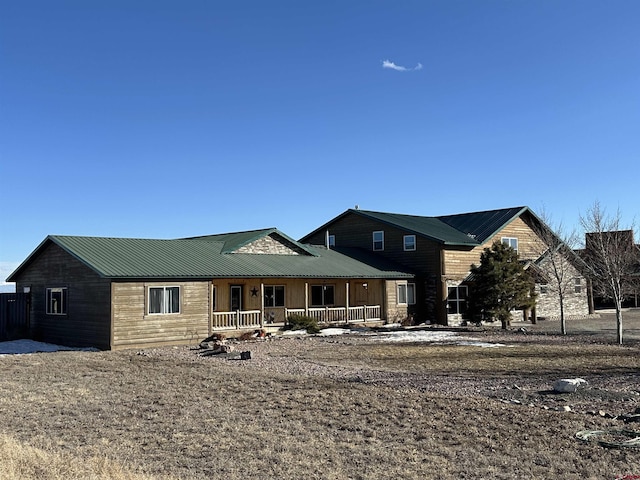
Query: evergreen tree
x=501 y=284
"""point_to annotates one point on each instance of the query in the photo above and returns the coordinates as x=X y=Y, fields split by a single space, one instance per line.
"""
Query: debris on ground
x=568 y=385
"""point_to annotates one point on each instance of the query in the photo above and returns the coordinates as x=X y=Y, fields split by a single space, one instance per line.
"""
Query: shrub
x=302 y=322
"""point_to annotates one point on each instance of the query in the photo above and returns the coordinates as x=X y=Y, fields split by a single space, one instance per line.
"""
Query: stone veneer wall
x=270 y=245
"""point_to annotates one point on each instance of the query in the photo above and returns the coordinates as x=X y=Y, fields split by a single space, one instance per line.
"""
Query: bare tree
x=557 y=261
x=611 y=255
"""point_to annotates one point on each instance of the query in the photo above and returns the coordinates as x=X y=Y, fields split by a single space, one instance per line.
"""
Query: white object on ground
x=568 y=385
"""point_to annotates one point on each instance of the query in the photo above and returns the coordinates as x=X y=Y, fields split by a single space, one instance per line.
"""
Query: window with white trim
x=322 y=295
x=511 y=242
x=164 y=300
x=57 y=301
x=409 y=243
x=457 y=300
x=378 y=241
x=274 y=295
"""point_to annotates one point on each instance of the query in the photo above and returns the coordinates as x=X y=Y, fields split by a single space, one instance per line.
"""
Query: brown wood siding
x=87 y=321
x=134 y=327
x=458 y=262
x=354 y=230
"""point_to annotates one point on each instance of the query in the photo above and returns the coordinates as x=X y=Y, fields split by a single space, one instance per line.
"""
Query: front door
x=236 y=297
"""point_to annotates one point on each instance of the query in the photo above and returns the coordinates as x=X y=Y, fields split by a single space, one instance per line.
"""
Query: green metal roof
x=430 y=227
x=205 y=257
x=467 y=229
x=482 y=225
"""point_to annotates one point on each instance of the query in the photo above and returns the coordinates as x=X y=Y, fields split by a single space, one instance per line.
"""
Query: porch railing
x=339 y=314
x=236 y=320
x=253 y=318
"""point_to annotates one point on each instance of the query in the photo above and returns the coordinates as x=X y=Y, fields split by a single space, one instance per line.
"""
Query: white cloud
x=399 y=68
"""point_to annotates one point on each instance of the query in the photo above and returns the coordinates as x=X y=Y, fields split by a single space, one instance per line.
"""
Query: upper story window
x=164 y=300
x=57 y=301
x=378 y=241
x=511 y=241
x=274 y=295
x=409 y=243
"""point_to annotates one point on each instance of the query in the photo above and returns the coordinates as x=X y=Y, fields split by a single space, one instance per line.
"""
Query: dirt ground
x=348 y=406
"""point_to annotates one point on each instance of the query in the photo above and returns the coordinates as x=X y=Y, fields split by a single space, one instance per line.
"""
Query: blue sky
x=167 y=119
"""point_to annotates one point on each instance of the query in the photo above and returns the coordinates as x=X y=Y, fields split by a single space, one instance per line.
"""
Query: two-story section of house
x=440 y=250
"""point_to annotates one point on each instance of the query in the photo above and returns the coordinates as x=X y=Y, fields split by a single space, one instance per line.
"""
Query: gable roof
x=466 y=229
x=205 y=258
x=235 y=240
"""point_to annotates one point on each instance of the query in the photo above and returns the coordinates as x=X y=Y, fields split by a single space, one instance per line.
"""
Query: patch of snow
x=294 y=332
x=19 y=347
x=326 y=332
x=392 y=325
x=417 y=336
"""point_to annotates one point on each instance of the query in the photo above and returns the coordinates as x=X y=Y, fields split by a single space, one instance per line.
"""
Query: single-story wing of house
x=115 y=293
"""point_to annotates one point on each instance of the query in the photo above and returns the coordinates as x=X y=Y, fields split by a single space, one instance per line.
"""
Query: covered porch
x=270 y=304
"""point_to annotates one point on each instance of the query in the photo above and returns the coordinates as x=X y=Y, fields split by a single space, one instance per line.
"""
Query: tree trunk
x=563 y=323
x=619 y=321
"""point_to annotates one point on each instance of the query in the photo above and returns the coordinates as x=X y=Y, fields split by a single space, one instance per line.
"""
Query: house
x=626 y=253
x=115 y=293
x=440 y=251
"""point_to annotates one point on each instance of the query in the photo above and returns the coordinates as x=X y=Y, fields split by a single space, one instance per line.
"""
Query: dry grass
x=20 y=461
x=170 y=413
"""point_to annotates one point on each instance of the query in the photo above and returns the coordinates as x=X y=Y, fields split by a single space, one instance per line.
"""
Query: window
x=577 y=285
x=457 y=300
x=411 y=293
x=511 y=242
x=164 y=300
x=57 y=301
x=322 y=295
x=406 y=294
x=544 y=288
x=378 y=241
x=402 y=294
x=332 y=240
x=409 y=243
x=214 y=298
x=274 y=296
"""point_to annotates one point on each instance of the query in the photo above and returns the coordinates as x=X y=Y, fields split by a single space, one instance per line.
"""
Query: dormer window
x=511 y=242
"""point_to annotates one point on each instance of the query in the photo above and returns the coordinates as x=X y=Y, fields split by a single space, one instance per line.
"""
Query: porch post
x=261 y=304
x=347 y=301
